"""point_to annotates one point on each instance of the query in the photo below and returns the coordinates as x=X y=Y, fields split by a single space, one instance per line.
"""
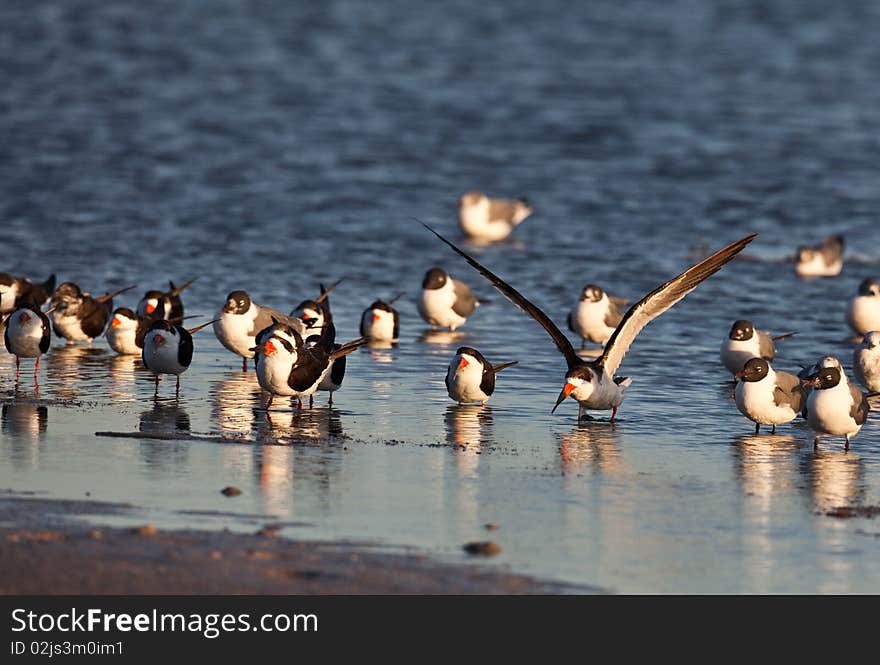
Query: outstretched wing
x=522 y=302
x=660 y=299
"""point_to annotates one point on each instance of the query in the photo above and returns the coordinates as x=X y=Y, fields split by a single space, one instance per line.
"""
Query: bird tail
x=785 y=336
x=49 y=284
x=325 y=291
x=501 y=366
x=109 y=296
x=204 y=325
x=348 y=347
x=175 y=290
x=395 y=298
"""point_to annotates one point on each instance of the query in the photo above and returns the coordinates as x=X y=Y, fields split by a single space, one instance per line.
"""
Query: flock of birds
x=297 y=354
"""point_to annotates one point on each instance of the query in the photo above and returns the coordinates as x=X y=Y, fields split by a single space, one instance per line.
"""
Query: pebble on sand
x=483 y=548
x=146 y=530
x=230 y=491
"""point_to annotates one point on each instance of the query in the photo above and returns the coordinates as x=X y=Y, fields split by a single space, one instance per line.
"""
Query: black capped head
x=582 y=372
x=125 y=312
x=162 y=324
x=435 y=278
x=382 y=306
x=869 y=287
x=741 y=331
x=827 y=377
x=472 y=352
x=755 y=369
x=67 y=290
x=6 y=279
x=592 y=293
x=237 y=302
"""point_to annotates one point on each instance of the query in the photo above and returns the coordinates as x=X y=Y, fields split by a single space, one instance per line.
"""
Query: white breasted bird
x=239 y=321
x=445 y=301
x=164 y=304
x=489 y=220
x=168 y=349
x=744 y=342
x=866 y=361
x=381 y=322
x=77 y=317
x=596 y=315
x=314 y=313
x=19 y=291
x=822 y=260
x=863 y=314
x=27 y=335
x=127 y=330
x=470 y=377
x=288 y=367
x=768 y=397
x=592 y=383
x=835 y=407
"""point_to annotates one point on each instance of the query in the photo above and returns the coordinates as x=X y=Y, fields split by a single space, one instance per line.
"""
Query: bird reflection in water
x=234 y=400
x=442 y=338
x=469 y=428
x=591 y=446
x=122 y=377
x=23 y=426
x=381 y=351
x=165 y=419
x=275 y=466
x=285 y=426
x=766 y=464
x=72 y=369
x=834 y=478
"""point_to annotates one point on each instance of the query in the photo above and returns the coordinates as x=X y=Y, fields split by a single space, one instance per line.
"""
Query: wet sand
x=44 y=551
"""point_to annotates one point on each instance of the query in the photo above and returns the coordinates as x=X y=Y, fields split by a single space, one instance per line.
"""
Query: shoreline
x=38 y=538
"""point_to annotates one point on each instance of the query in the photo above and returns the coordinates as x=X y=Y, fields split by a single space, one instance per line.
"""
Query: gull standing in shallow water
x=822 y=260
x=592 y=383
x=863 y=314
x=866 y=361
x=767 y=397
x=445 y=301
x=489 y=220
x=596 y=315
x=835 y=407
x=743 y=343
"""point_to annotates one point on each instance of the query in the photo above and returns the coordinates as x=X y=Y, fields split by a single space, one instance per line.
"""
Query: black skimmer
x=381 y=322
x=168 y=349
x=28 y=334
x=313 y=313
x=835 y=406
x=127 y=330
x=596 y=315
x=240 y=320
x=18 y=291
x=768 y=397
x=164 y=305
x=445 y=301
x=470 y=377
x=592 y=383
x=866 y=361
x=490 y=220
x=822 y=260
x=76 y=316
x=863 y=314
x=288 y=367
x=744 y=342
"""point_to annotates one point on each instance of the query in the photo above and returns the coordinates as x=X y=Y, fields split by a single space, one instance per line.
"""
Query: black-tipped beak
x=560 y=399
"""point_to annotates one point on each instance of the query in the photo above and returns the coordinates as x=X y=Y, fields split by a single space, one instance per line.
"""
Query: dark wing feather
x=94 y=315
x=613 y=316
x=337 y=372
x=465 y=301
x=789 y=391
x=185 y=350
x=310 y=364
x=46 y=339
x=661 y=299
x=396 y=333
x=6 y=335
x=487 y=383
x=522 y=302
x=860 y=407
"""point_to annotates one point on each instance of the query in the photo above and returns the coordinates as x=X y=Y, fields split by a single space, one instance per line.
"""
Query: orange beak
x=464 y=363
x=568 y=389
x=269 y=348
x=115 y=322
x=376 y=318
x=151 y=309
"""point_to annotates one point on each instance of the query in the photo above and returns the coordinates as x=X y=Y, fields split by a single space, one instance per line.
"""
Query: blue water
x=269 y=146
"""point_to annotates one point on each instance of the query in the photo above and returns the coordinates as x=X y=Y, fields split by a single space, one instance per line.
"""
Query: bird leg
x=311 y=401
x=846 y=447
x=156 y=394
x=330 y=401
x=177 y=391
x=244 y=364
x=816 y=443
x=757 y=428
x=269 y=401
x=773 y=431
x=613 y=413
x=299 y=405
